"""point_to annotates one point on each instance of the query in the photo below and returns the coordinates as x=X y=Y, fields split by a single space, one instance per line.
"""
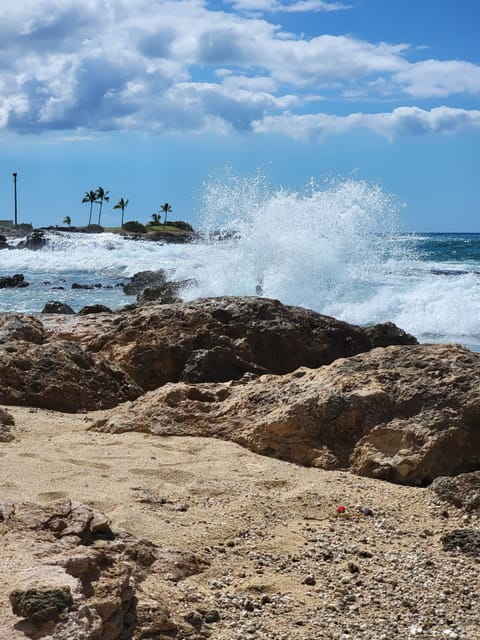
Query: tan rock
x=61 y=375
x=405 y=414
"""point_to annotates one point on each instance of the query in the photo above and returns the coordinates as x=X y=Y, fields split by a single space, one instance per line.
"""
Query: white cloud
x=287 y=6
x=403 y=121
x=179 y=66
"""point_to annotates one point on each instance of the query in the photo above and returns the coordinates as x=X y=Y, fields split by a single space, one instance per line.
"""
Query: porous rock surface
x=405 y=414
x=71 y=577
x=219 y=339
x=462 y=491
x=60 y=375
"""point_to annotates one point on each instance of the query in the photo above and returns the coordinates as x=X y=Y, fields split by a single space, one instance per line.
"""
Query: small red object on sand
x=341 y=509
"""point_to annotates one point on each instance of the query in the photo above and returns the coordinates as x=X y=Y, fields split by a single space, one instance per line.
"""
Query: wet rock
x=87 y=287
x=403 y=414
x=94 y=308
x=217 y=339
x=18 y=280
x=34 y=241
x=462 y=491
x=61 y=376
x=54 y=306
x=144 y=279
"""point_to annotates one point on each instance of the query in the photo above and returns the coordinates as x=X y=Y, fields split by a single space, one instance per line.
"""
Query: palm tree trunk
x=90 y=216
x=100 y=211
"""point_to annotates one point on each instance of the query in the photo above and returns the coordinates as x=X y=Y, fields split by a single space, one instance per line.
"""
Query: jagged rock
x=3 y=242
x=54 y=306
x=94 y=308
x=156 y=344
x=34 y=241
x=6 y=417
x=143 y=279
x=403 y=414
x=18 y=280
x=74 y=580
x=163 y=294
x=462 y=491
x=62 y=376
x=21 y=327
x=387 y=333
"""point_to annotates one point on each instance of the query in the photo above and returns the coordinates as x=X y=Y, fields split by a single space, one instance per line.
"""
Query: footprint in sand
x=85 y=463
x=51 y=495
x=173 y=476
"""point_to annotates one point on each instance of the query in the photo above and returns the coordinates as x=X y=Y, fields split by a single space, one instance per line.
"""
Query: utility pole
x=15 y=196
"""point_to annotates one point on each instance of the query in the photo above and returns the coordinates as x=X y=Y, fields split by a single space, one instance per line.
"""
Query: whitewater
x=337 y=248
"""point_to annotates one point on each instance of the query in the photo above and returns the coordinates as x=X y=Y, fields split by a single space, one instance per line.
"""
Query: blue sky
x=150 y=98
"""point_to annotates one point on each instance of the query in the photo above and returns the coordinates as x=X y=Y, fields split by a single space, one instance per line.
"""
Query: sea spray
x=307 y=248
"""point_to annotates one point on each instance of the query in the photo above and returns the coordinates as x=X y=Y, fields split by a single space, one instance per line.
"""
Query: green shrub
x=134 y=227
x=180 y=224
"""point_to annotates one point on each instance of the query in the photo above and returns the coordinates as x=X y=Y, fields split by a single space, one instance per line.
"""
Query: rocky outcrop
x=218 y=339
x=403 y=414
x=60 y=375
x=16 y=281
x=72 y=576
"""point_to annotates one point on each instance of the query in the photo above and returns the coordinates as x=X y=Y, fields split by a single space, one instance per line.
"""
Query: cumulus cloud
x=402 y=121
x=287 y=6
x=181 y=66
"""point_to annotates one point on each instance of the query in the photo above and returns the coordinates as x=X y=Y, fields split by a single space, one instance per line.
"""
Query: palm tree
x=121 y=204
x=166 y=208
x=91 y=197
x=156 y=218
x=67 y=220
x=101 y=195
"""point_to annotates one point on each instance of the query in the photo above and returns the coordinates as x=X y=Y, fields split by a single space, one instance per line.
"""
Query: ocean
x=338 y=249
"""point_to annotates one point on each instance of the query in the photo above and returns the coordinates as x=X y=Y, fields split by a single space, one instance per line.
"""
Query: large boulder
x=68 y=575
x=61 y=375
x=219 y=339
x=463 y=491
x=404 y=414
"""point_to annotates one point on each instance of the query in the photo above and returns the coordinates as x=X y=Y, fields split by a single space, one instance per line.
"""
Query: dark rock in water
x=18 y=280
x=466 y=541
x=40 y=604
x=54 y=306
x=164 y=294
x=34 y=241
x=4 y=243
x=61 y=376
x=462 y=491
x=387 y=333
x=20 y=327
x=144 y=279
x=153 y=343
x=94 y=308
x=77 y=285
